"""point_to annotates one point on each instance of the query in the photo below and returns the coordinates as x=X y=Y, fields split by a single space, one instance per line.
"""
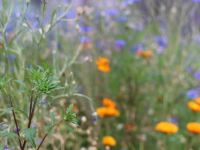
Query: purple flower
x=130 y=2
x=85 y=39
x=6 y=147
x=196 y=1
x=120 y=43
x=197 y=75
x=161 y=41
x=111 y=12
x=122 y=19
x=11 y=57
x=71 y=14
x=85 y=28
x=193 y=93
x=136 y=47
x=173 y=120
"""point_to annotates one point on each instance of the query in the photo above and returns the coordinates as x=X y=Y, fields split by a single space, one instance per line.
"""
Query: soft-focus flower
x=109 y=141
x=166 y=127
x=193 y=93
x=193 y=127
x=193 y=106
x=107 y=112
x=161 y=41
x=197 y=75
x=103 y=64
x=137 y=47
x=197 y=100
x=108 y=103
x=145 y=54
x=196 y=1
x=120 y=43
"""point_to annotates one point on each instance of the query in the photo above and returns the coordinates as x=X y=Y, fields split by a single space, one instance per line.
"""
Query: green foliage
x=70 y=116
x=30 y=134
x=42 y=80
x=4 y=82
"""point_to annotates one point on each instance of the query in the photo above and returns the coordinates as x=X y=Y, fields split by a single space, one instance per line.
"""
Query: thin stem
x=46 y=134
x=42 y=141
x=31 y=114
x=16 y=124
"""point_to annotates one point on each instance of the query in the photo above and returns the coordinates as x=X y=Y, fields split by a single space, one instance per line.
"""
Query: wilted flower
x=193 y=127
x=103 y=64
x=166 y=127
x=145 y=54
x=109 y=141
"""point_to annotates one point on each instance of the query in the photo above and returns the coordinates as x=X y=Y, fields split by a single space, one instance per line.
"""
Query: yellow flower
x=109 y=141
x=108 y=103
x=193 y=106
x=145 y=54
x=166 y=127
x=193 y=127
x=103 y=64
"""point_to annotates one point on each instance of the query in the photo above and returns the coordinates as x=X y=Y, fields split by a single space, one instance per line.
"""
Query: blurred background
x=136 y=60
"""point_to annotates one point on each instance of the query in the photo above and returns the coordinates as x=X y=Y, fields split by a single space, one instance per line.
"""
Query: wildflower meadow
x=99 y=75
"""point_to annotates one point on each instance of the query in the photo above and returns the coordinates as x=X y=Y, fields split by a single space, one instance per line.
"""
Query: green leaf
x=6 y=134
x=30 y=134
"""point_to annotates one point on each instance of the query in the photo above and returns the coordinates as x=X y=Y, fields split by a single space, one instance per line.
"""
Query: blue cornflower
x=120 y=43
x=161 y=41
x=197 y=75
x=85 y=28
x=193 y=93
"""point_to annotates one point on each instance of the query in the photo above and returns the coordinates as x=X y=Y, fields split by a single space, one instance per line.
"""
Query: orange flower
x=197 y=100
x=108 y=103
x=103 y=64
x=107 y=112
x=193 y=127
x=101 y=111
x=166 y=127
x=145 y=54
x=109 y=141
x=193 y=106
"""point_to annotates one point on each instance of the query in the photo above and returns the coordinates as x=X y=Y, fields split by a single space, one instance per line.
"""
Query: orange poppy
x=103 y=64
x=108 y=103
x=107 y=112
x=109 y=141
x=166 y=127
x=193 y=127
x=197 y=100
x=193 y=106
